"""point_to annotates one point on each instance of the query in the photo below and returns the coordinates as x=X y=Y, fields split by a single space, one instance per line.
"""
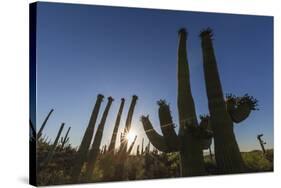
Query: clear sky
x=85 y=50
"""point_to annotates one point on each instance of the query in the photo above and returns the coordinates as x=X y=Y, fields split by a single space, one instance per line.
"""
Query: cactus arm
x=167 y=126
x=157 y=140
x=228 y=156
x=240 y=108
x=186 y=107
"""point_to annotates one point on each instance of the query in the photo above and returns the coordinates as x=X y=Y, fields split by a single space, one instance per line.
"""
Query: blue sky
x=85 y=50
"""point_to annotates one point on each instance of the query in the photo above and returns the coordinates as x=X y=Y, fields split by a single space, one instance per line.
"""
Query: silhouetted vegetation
x=173 y=155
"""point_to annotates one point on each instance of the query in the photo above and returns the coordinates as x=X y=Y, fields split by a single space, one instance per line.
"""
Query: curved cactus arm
x=239 y=108
x=167 y=125
x=157 y=140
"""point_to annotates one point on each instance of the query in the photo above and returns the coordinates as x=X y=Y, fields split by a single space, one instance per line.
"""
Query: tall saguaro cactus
x=189 y=142
x=116 y=127
x=95 y=148
x=129 y=122
x=39 y=134
x=86 y=141
x=223 y=113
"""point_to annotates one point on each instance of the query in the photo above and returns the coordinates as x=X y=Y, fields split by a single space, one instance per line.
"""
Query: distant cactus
x=116 y=127
x=39 y=134
x=262 y=143
x=223 y=113
x=65 y=139
x=95 y=148
x=53 y=148
x=189 y=142
x=131 y=146
x=129 y=121
x=86 y=141
x=142 y=146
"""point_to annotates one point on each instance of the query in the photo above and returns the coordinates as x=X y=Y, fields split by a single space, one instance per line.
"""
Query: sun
x=130 y=136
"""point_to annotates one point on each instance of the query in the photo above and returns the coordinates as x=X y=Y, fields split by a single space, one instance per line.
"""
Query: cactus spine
x=86 y=141
x=189 y=142
x=228 y=157
x=39 y=134
x=95 y=148
x=116 y=127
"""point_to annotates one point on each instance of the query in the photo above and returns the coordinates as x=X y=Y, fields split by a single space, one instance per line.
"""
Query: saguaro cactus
x=86 y=141
x=95 y=148
x=132 y=145
x=65 y=139
x=52 y=150
x=189 y=141
x=223 y=113
x=116 y=127
x=128 y=123
x=262 y=143
x=39 y=134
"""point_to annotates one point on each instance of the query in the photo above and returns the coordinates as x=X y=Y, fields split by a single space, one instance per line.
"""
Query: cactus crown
x=207 y=32
x=100 y=96
x=162 y=102
x=182 y=31
x=250 y=100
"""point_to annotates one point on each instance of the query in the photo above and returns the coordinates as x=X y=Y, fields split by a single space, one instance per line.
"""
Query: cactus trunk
x=116 y=127
x=227 y=152
x=93 y=153
x=191 y=153
x=129 y=120
x=86 y=141
x=65 y=138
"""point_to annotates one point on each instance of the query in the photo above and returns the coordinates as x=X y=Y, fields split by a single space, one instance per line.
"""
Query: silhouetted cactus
x=223 y=113
x=262 y=143
x=142 y=146
x=39 y=134
x=53 y=148
x=129 y=122
x=86 y=141
x=189 y=142
x=95 y=148
x=116 y=127
x=65 y=139
x=131 y=146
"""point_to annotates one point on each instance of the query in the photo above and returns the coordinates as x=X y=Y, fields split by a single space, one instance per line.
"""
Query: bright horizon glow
x=130 y=136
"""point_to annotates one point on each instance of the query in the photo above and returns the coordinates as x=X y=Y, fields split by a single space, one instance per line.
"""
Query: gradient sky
x=85 y=50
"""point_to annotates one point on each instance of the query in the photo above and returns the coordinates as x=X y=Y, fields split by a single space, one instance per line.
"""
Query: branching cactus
x=86 y=141
x=189 y=140
x=95 y=148
x=223 y=113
